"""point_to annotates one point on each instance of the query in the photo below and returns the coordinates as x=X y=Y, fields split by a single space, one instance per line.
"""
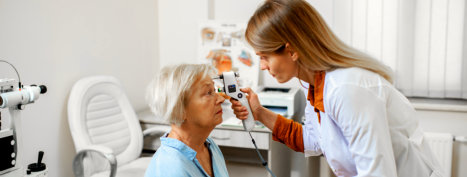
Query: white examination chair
x=105 y=129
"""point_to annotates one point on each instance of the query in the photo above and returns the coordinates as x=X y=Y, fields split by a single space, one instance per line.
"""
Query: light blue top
x=174 y=158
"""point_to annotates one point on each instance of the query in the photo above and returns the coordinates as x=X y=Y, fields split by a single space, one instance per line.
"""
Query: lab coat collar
x=315 y=92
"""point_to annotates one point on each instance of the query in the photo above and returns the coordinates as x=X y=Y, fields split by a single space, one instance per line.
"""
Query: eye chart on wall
x=223 y=45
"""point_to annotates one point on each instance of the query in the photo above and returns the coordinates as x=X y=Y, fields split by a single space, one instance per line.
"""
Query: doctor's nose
x=263 y=65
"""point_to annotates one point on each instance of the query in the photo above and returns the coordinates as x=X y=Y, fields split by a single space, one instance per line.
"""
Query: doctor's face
x=203 y=107
x=281 y=66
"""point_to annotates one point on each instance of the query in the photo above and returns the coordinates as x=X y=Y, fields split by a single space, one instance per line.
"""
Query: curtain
x=423 y=41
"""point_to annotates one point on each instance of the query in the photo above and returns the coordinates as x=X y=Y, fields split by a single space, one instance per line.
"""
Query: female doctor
x=354 y=115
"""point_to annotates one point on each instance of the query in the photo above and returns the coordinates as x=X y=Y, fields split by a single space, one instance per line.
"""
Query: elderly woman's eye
x=212 y=92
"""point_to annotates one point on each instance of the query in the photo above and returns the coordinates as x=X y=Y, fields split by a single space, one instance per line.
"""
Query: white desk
x=234 y=136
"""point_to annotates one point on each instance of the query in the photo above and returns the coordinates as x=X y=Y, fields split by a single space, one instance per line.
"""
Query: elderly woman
x=184 y=95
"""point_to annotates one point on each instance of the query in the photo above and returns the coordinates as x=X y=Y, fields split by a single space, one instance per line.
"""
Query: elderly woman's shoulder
x=169 y=154
x=162 y=169
x=166 y=161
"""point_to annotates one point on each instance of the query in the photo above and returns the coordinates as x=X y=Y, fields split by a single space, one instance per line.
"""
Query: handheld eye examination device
x=232 y=89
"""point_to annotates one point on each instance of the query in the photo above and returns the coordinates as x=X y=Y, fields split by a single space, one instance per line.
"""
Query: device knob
x=39 y=158
x=43 y=89
x=20 y=107
x=39 y=166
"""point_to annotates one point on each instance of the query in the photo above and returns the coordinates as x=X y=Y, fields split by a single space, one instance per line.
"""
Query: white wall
x=57 y=42
x=178 y=28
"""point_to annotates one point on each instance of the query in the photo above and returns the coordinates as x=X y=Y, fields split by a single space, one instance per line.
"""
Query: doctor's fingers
x=249 y=92
x=235 y=102
x=238 y=107
x=241 y=115
x=239 y=110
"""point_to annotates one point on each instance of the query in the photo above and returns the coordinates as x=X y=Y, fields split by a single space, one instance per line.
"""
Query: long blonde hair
x=297 y=23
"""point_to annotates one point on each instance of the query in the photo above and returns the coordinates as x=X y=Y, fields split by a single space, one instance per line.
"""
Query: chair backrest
x=99 y=113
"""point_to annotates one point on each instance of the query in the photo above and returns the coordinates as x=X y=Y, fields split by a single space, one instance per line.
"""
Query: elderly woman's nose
x=220 y=98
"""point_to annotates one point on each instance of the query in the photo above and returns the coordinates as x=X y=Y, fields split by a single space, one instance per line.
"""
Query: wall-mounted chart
x=223 y=45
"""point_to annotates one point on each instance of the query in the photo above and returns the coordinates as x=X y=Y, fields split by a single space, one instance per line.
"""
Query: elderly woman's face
x=204 y=104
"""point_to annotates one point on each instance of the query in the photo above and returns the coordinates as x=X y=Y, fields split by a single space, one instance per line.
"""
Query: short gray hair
x=168 y=92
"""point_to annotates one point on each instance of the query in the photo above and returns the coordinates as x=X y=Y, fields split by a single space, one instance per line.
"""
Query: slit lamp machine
x=14 y=97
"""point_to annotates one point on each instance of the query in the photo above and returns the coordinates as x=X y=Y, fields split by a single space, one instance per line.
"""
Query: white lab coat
x=368 y=128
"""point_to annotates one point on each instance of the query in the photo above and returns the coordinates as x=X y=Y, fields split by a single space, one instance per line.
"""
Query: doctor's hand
x=240 y=110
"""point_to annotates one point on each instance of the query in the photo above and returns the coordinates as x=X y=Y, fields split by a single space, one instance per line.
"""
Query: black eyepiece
x=43 y=89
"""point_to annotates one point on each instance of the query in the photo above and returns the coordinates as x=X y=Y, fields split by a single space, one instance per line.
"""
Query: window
x=423 y=41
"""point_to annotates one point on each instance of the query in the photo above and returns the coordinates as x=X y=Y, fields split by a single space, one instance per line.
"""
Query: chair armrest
x=155 y=130
x=103 y=151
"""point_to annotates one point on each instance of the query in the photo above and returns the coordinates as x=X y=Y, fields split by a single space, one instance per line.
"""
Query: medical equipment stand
x=14 y=97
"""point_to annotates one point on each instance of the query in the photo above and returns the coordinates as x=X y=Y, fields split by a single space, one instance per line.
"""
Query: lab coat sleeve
x=361 y=115
x=310 y=138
